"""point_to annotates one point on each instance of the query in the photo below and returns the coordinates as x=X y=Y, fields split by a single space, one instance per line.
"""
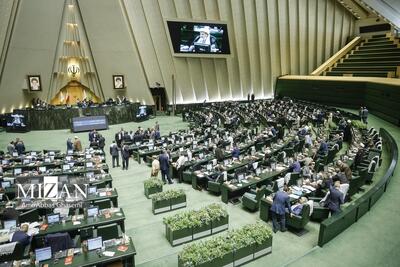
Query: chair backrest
x=372 y=166
x=280 y=183
x=102 y=204
x=59 y=241
x=344 y=188
x=86 y=233
x=281 y=156
x=29 y=216
x=107 y=232
x=260 y=193
x=294 y=176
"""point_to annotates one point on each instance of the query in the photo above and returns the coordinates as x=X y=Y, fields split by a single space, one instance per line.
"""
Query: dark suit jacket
x=281 y=201
x=236 y=152
x=164 y=162
x=334 y=200
x=22 y=238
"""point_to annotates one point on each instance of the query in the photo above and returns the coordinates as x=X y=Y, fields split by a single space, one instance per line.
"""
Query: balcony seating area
x=378 y=56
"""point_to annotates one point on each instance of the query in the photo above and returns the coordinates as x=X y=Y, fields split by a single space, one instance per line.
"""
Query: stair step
x=370 y=68
x=389 y=54
x=378 y=39
x=372 y=63
x=379 y=45
x=358 y=74
x=378 y=35
x=368 y=50
x=377 y=59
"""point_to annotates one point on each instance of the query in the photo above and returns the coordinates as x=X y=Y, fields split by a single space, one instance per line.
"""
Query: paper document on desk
x=309 y=187
x=34 y=224
x=33 y=231
x=294 y=196
x=109 y=253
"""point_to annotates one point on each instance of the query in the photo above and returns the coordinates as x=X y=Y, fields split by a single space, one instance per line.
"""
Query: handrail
x=332 y=60
x=350 y=214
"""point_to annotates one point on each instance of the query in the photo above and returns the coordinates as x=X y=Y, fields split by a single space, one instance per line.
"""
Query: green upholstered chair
x=214 y=187
x=319 y=213
x=251 y=200
x=294 y=176
x=109 y=231
x=298 y=222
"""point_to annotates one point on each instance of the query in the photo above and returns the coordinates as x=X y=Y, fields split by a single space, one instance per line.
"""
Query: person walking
x=114 y=151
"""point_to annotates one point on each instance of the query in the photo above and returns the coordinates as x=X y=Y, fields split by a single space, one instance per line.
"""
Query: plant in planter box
x=263 y=238
x=237 y=245
x=168 y=200
x=152 y=186
x=219 y=217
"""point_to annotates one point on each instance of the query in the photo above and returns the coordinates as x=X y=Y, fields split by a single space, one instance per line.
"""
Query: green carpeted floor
x=373 y=241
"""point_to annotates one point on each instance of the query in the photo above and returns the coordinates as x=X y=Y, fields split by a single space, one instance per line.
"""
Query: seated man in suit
x=298 y=207
x=21 y=236
x=278 y=208
x=235 y=152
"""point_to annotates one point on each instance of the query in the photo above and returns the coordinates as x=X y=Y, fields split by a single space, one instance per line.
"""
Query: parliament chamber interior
x=199 y=133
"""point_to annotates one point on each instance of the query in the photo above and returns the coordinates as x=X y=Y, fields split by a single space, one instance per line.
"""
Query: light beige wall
x=268 y=38
x=31 y=51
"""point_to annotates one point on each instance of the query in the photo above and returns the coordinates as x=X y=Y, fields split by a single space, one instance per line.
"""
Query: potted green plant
x=201 y=223
x=358 y=124
x=196 y=223
x=178 y=228
x=232 y=249
x=168 y=200
x=219 y=218
x=263 y=237
x=178 y=199
x=152 y=186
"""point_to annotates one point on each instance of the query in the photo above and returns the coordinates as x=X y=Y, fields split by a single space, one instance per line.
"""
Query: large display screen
x=16 y=123
x=199 y=38
x=80 y=124
x=141 y=112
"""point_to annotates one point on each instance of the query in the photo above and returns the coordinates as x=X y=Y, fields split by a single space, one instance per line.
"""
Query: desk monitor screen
x=52 y=153
x=258 y=171
x=95 y=243
x=201 y=155
x=4 y=162
x=9 y=224
x=240 y=177
x=17 y=171
x=151 y=147
x=90 y=174
x=66 y=167
x=89 y=164
x=42 y=169
x=43 y=254
x=5 y=184
x=209 y=167
x=47 y=160
x=141 y=112
x=226 y=162
x=53 y=218
x=15 y=154
x=164 y=145
x=9 y=179
x=70 y=152
x=92 y=211
x=26 y=161
x=33 y=153
x=255 y=165
x=88 y=156
x=92 y=190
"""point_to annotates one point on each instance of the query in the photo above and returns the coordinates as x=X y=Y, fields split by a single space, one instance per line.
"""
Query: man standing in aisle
x=164 y=166
x=125 y=157
x=114 y=154
x=278 y=209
